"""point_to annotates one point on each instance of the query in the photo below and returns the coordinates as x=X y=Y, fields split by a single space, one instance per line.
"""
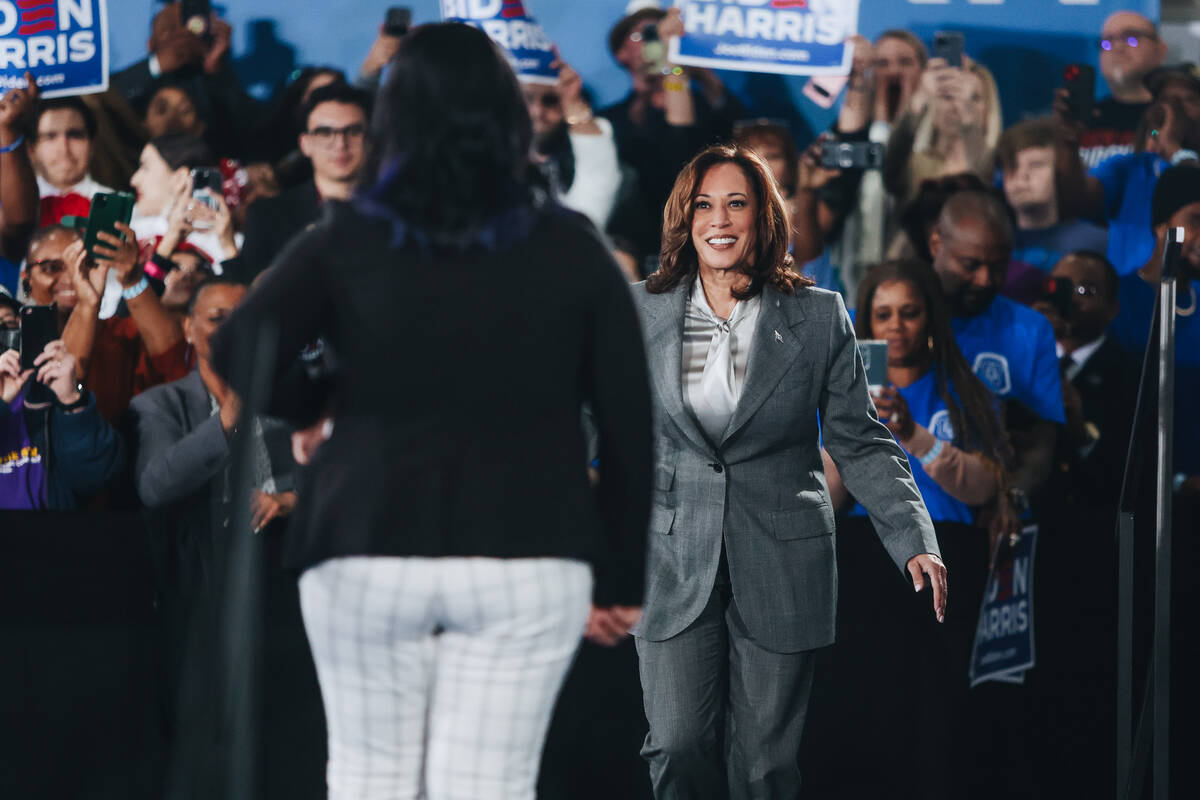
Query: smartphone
x=824 y=89
x=1080 y=83
x=874 y=354
x=196 y=15
x=39 y=327
x=949 y=45
x=397 y=20
x=654 y=50
x=107 y=210
x=207 y=185
x=852 y=155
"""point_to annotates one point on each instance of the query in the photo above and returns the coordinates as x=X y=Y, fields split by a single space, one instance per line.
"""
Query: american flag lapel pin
x=778 y=336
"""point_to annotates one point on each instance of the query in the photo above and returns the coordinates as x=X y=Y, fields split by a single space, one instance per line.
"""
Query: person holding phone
x=949 y=427
x=55 y=453
x=119 y=356
x=452 y=550
x=747 y=359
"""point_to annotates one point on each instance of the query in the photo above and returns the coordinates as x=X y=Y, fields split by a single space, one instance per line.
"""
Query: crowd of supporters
x=1012 y=265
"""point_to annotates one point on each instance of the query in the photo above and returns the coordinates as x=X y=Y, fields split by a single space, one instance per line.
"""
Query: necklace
x=1191 y=309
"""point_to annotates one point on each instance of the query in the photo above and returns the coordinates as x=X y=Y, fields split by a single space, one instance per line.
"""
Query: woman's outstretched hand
x=930 y=565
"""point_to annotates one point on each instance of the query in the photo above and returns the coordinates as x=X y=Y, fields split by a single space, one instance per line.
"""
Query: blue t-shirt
x=9 y=273
x=929 y=410
x=1044 y=248
x=1129 y=182
x=1132 y=327
x=1010 y=347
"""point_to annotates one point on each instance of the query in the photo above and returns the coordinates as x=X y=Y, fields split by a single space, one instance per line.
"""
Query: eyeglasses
x=50 y=266
x=1131 y=38
x=1087 y=289
x=325 y=136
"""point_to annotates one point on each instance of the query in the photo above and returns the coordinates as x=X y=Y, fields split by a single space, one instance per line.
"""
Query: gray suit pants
x=725 y=714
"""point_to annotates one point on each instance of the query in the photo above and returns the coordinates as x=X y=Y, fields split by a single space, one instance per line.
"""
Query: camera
x=1060 y=293
x=852 y=155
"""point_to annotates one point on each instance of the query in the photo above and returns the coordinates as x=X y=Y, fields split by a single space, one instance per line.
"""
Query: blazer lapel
x=664 y=334
x=773 y=349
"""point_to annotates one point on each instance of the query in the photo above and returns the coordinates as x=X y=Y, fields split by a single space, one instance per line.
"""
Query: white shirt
x=1080 y=356
x=715 y=355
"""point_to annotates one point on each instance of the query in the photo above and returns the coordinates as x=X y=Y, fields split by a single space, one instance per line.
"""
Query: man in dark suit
x=1077 y=558
x=334 y=140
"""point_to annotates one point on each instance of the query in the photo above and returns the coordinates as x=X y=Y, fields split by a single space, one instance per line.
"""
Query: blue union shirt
x=1010 y=347
x=929 y=410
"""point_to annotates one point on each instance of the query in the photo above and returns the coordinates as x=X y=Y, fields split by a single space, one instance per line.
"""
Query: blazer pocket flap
x=664 y=475
x=803 y=523
x=661 y=519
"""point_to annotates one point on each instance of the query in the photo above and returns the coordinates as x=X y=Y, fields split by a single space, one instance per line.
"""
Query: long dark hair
x=768 y=263
x=450 y=164
x=972 y=412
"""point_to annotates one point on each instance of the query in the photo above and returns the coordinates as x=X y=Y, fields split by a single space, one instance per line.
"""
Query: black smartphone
x=207 y=185
x=1060 y=293
x=196 y=15
x=107 y=210
x=39 y=327
x=852 y=155
x=1080 y=83
x=397 y=20
x=949 y=45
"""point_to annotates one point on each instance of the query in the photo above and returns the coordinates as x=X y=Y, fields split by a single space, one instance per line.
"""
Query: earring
x=929 y=344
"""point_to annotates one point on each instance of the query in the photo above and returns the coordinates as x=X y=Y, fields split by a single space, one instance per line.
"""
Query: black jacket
x=271 y=223
x=458 y=405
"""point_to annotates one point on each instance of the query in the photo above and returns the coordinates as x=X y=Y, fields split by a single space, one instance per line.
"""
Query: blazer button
x=717 y=468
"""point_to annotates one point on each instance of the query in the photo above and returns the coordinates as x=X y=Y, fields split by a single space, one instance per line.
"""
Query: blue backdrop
x=1024 y=42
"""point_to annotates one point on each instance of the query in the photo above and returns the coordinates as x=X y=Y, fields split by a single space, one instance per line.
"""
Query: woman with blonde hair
x=951 y=126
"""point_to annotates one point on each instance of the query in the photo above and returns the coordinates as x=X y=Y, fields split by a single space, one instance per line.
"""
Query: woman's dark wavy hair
x=450 y=162
x=768 y=262
x=972 y=412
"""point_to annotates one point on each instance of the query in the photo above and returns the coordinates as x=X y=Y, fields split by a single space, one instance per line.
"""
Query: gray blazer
x=762 y=487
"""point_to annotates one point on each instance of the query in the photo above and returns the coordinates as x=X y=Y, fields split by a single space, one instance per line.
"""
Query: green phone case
x=107 y=210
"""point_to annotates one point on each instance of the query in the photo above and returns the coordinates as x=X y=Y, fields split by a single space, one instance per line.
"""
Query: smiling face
x=62 y=149
x=898 y=315
x=47 y=273
x=723 y=218
x=153 y=183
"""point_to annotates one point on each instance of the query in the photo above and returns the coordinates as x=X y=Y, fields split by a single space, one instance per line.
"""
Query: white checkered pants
x=439 y=674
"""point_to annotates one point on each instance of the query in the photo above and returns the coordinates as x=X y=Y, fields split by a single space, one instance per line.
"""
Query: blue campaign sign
x=64 y=43
x=1004 y=633
x=792 y=37
x=529 y=50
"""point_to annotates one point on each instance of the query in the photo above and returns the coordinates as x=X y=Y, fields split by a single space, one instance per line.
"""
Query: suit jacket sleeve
x=619 y=395
x=874 y=468
x=173 y=462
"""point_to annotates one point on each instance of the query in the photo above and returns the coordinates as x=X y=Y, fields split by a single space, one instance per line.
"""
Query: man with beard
x=1010 y=347
x=1130 y=48
x=1119 y=190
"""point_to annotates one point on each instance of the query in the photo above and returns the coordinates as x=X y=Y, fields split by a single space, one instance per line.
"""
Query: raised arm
x=18 y=185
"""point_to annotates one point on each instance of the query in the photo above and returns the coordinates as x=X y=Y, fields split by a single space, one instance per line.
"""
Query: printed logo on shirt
x=11 y=462
x=941 y=427
x=992 y=369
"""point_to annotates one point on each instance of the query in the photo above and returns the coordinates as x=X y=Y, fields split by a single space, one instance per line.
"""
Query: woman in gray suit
x=752 y=368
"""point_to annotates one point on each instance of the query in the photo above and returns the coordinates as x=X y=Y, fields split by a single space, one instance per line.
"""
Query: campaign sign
x=529 y=49
x=64 y=43
x=792 y=37
x=1004 y=633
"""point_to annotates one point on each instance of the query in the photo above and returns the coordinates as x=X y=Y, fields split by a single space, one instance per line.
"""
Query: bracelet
x=136 y=289
x=675 y=85
x=933 y=453
x=9 y=148
x=580 y=119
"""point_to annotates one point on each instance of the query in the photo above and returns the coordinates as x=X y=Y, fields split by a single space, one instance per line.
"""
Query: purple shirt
x=22 y=473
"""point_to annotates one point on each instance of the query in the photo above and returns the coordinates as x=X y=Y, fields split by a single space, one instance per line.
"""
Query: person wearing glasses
x=1130 y=49
x=334 y=139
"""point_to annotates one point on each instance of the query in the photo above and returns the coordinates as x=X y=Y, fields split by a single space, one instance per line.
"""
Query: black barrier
x=80 y=711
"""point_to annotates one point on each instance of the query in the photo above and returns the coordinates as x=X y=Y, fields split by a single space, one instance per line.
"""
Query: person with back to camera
x=445 y=529
x=746 y=358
